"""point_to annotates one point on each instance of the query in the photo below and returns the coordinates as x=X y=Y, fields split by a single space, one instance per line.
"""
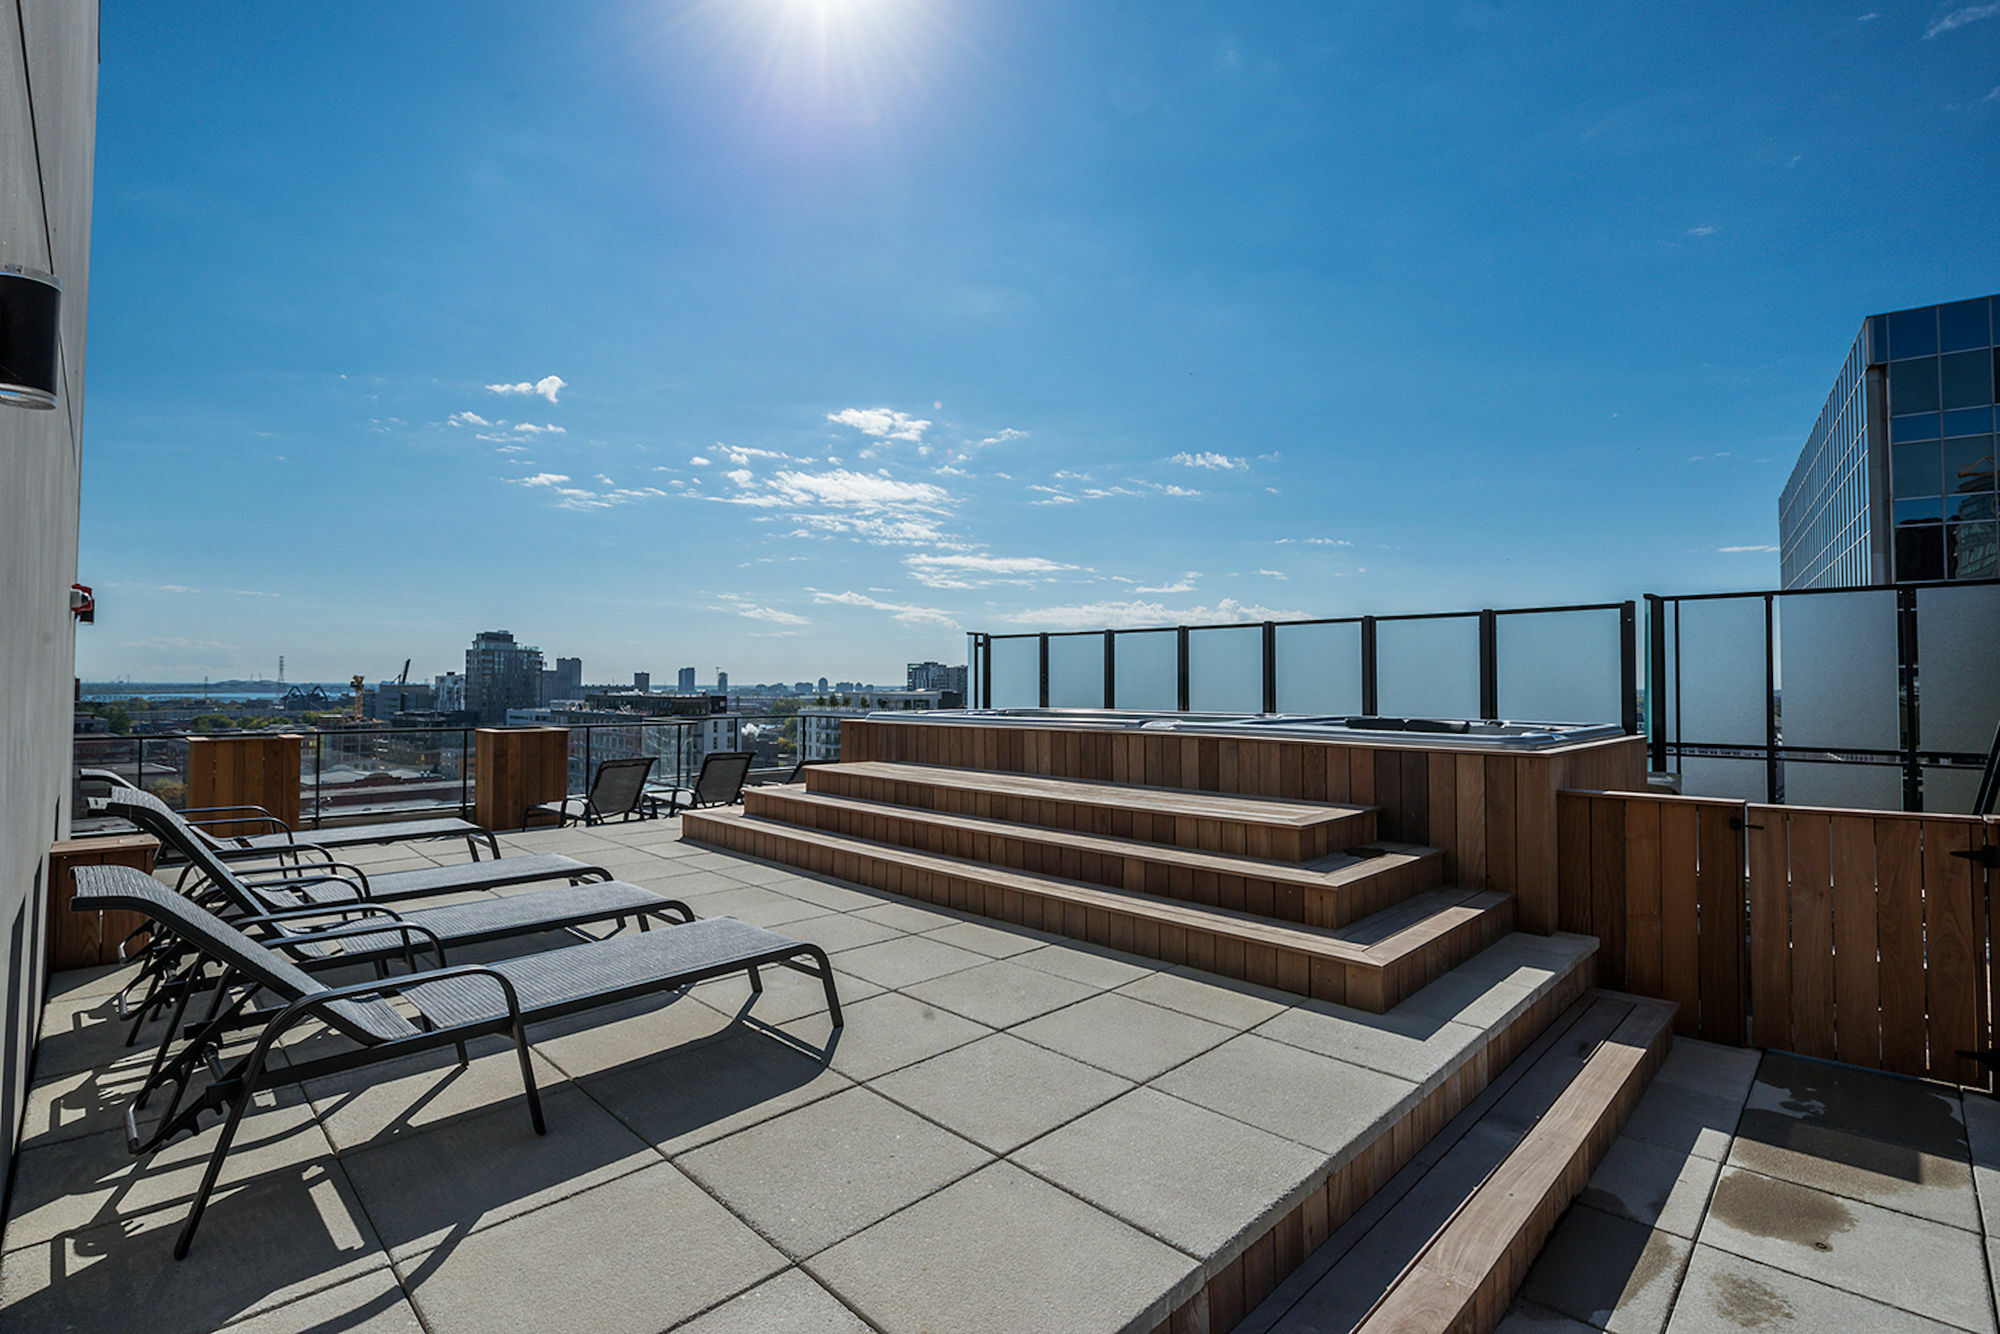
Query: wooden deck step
x=1291 y=831
x=1332 y=890
x=1371 y=964
x=1445 y=1243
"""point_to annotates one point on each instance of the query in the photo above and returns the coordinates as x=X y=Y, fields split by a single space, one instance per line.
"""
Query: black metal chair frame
x=634 y=804
x=699 y=794
x=250 y=974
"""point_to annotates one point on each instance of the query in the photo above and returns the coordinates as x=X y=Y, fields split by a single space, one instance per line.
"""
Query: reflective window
x=1968 y=464
x=1924 y=426
x=1915 y=470
x=1920 y=552
x=1961 y=325
x=1967 y=379
x=1913 y=386
x=1973 y=421
x=1919 y=511
x=1913 y=333
x=1972 y=505
x=1970 y=550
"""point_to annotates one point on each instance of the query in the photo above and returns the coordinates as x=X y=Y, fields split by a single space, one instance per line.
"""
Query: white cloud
x=857 y=489
x=1002 y=436
x=972 y=570
x=548 y=387
x=529 y=428
x=902 y=611
x=1184 y=584
x=756 y=612
x=1732 y=551
x=254 y=593
x=899 y=531
x=1208 y=459
x=1703 y=230
x=512 y=449
x=699 y=462
x=1958 y=18
x=468 y=419
x=544 y=479
x=741 y=476
x=1314 y=541
x=882 y=423
x=1102 y=615
x=1274 y=574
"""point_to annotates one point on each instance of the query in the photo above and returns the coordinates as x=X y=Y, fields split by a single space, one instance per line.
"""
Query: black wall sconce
x=30 y=336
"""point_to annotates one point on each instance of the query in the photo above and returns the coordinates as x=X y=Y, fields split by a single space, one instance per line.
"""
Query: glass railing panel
x=1867 y=787
x=1017 y=672
x=1319 y=668
x=1949 y=791
x=377 y=772
x=1147 y=670
x=1076 y=671
x=1837 y=673
x=1428 y=668
x=1737 y=780
x=1226 y=669
x=1719 y=689
x=1559 y=667
x=1958 y=683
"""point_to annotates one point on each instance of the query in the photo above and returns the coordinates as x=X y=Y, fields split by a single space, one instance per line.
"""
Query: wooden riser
x=1182 y=818
x=1336 y=891
x=1447 y=1241
x=1371 y=964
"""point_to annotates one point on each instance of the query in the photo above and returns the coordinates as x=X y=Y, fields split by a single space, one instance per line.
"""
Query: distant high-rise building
x=937 y=676
x=501 y=675
x=564 y=683
x=822 y=685
x=1897 y=480
x=687 y=678
x=642 y=681
x=721 y=682
x=450 y=692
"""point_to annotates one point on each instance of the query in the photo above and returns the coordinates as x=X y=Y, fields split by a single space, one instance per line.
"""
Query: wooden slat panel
x=1644 y=965
x=1574 y=907
x=1719 y=880
x=1899 y=917
x=1954 y=993
x=1680 y=915
x=1811 y=904
x=1607 y=888
x=1471 y=806
x=1770 y=931
x=1857 y=1003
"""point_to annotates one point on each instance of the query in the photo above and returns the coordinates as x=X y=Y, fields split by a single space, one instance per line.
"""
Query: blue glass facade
x=1897 y=480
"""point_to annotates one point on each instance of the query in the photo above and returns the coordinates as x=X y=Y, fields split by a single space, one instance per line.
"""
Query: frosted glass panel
x=1958 y=669
x=1319 y=668
x=1428 y=669
x=1226 y=670
x=1721 y=685
x=1076 y=671
x=1148 y=670
x=1559 y=667
x=1837 y=675
x=1950 y=791
x=1017 y=673
x=1740 y=780
x=1866 y=787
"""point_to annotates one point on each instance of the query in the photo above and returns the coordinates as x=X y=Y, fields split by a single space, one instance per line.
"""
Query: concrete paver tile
x=713 y=1087
x=1305 y=1097
x=1653 y=1186
x=885 y=1032
x=1127 y=1037
x=1000 y=994
x=1723 y=1293
x=792 y=1303
x=1220 y=1000
x=1000 y=1091
x=1610 y=1273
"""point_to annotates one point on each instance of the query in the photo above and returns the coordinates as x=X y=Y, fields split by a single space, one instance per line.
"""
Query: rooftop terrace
x=1012 y=1131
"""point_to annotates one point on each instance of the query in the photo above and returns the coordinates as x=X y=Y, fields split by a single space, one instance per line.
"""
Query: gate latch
x=1988 y=856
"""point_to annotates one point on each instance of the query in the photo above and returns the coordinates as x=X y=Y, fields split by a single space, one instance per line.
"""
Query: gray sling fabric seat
x=618 y=790
x=449 y=1005
x=718 y=783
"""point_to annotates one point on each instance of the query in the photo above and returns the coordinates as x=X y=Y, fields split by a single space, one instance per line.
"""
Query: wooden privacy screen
x=1851 y=935
x=1659 y=881
x=260 y=769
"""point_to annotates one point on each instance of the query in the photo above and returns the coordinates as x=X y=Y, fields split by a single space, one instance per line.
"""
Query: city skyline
x=776 y=331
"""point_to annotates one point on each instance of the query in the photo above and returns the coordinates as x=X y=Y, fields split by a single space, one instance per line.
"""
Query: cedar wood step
x=1371 y=964
x=1330 y=891
x=1291 y=831
x=1444 y=1245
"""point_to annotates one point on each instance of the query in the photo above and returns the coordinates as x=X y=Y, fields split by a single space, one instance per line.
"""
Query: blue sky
x=802 y=336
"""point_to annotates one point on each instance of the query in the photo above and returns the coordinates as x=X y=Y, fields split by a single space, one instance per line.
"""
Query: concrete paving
x=1012 y=1132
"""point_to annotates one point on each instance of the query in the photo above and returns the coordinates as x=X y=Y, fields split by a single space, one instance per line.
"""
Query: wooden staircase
x=1295 y=895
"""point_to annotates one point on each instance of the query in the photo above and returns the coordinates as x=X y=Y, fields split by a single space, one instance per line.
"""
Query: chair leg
x=826 y=978
x=464 y=1058
x=528 y=1079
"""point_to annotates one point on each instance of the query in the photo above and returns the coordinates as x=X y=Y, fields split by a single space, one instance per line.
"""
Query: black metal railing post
x=1181 y=669
x=1042 y=669
x=1270 y=666
x=1656 y=679
x=1370 y=699
x=1773 y=778
x=1628 y=667
x=1110 y=669
x=465 y=757
x=1906 y=683
x=1489 y=666
x=986 y=676
x=319 y=764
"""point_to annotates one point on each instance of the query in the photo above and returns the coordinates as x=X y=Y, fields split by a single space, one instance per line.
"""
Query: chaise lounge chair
x=442 y=1007
x=618 y=791
x=282 y=839
x=718 y=783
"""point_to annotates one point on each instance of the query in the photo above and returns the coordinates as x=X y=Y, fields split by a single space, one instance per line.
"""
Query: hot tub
x=1443 y=733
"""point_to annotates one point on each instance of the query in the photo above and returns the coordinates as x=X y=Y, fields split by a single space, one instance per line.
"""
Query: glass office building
x=1897 y=481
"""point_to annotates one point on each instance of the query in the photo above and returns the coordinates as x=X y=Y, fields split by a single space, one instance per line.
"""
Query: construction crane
x=402 y=691
x=357 y=682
